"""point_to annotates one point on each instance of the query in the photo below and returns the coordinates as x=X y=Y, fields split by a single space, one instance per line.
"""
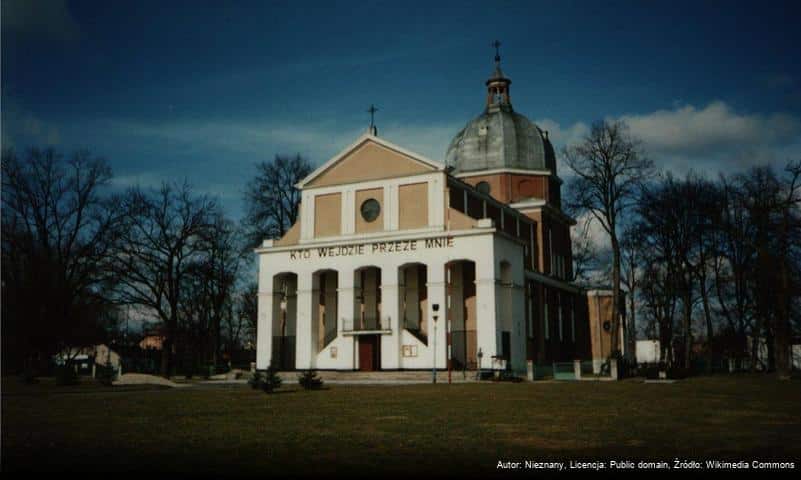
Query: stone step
x=388 y=376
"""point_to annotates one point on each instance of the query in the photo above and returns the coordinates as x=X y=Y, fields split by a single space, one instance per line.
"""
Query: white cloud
x=715 y=127
x=22 y=128
x=560 y=136
x=587 y=225
x=712 y=138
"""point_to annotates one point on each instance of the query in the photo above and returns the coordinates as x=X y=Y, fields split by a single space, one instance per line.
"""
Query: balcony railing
x=356 y=325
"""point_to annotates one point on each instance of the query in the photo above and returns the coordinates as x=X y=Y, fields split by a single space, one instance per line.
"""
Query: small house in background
x=84 y=359
x=648 y=351
x=81 y=359
x=762 y=353
x=106 y=356
x=152 y=340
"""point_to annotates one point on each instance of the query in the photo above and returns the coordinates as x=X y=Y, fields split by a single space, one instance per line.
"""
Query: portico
x=380 y=302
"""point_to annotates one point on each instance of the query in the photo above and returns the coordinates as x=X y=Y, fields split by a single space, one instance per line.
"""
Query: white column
x=436 y=202
x=437 y=295
x=307 y=217
x=349 y=211
x=487 y=331
x=393 y=206
x=346 y=313
x=390 y=344
x=304 y=341
x=264 y=328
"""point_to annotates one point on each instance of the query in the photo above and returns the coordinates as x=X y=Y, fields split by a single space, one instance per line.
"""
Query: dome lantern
x=498 y=84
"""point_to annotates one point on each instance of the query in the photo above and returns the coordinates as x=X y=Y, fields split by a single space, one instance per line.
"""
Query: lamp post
x=480 y=354
x=435 y=307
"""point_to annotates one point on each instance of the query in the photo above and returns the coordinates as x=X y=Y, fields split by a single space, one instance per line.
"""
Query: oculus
x=483 y=187
x=370 y=209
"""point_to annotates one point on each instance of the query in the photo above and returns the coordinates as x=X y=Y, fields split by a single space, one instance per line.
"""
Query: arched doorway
x=413 y=299
x=460 y=276
x=325 y=284
x=368 y=321
x=285 y=302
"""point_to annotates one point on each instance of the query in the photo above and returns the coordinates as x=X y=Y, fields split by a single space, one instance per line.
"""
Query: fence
x=564 y=371
x=463 y=349
x=366 y=324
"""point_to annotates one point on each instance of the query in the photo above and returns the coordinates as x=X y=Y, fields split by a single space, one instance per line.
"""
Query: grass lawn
x=457 y=428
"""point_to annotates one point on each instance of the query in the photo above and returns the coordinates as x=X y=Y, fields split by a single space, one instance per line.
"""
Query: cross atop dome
x=497 y=46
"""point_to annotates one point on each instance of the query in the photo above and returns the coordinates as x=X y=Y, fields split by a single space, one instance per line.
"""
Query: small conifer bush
x=309 y=380
x=271 y=380
x=256 y=380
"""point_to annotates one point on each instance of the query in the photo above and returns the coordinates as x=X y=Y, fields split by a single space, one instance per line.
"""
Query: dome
x=500 y=138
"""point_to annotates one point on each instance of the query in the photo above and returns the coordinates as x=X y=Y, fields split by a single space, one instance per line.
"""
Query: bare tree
x=773 y=204
x=609 y=166
x=631 y=274
x=168 y=232
x=663 y=241
x=58 y=232
x=271 y=199
x=247 y=309
x=219 y=270
x=733 y=264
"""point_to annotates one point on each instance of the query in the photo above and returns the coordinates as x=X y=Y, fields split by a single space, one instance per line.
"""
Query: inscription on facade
x=394 y=246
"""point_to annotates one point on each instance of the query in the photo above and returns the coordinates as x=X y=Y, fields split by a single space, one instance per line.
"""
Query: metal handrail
x=366 y=324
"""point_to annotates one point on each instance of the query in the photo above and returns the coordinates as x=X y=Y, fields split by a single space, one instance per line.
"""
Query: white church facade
x=400 y=262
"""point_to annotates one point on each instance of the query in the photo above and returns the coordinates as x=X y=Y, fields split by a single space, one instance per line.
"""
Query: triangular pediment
x=370 y=158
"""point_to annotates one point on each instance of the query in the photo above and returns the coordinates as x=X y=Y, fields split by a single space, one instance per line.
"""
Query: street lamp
x=480 y=354
x=435 y=307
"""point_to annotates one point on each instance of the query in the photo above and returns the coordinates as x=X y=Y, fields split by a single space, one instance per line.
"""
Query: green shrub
x=256 y=380
x=66 y=375
x=271 y=380
x=309 y=380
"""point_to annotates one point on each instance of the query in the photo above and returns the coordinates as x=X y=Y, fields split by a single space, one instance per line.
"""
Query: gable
x=369 y=161
x=291 y=237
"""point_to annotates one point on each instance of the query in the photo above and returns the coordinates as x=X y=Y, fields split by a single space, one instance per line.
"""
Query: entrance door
x=369 y=354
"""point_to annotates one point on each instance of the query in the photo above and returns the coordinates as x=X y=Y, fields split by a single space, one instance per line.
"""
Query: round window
x=607 y=326
x=483 y=187
x=371 y=209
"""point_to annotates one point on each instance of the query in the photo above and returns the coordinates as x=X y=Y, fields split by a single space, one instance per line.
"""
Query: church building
x=401 y=262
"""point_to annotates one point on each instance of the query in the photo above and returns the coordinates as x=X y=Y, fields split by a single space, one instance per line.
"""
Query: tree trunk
x=688 y=334
x=615 y=341
x=632 y=327
x=781 y=327
x=710 y=332
x=166 y=354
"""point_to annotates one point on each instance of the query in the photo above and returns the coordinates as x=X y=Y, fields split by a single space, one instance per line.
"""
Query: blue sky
x=204 y=90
